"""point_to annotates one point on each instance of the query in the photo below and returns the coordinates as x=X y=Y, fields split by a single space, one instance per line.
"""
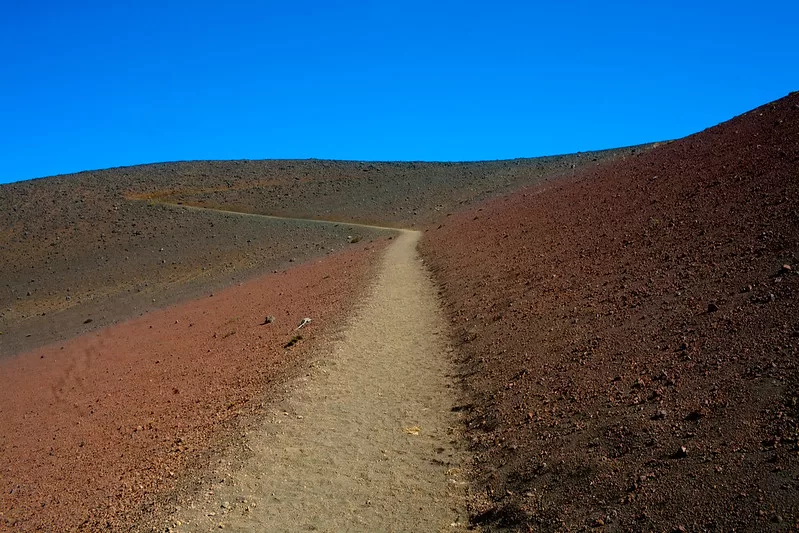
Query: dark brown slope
x=383 y=193
x=74 y=249
x=81 y=246
x=630 y=337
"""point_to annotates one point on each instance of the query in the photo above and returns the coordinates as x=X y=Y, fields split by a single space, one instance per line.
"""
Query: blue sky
x=87 y=85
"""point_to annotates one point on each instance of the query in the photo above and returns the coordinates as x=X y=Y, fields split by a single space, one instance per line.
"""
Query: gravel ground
x=626 y=332
x=102 y=245
x=101 y=432
x=629 y=337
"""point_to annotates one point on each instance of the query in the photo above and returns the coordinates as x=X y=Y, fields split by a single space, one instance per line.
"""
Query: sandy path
x=342 y=452
x=189 y=207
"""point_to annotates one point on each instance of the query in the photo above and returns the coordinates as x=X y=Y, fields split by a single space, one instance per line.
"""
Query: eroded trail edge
x=368 y=441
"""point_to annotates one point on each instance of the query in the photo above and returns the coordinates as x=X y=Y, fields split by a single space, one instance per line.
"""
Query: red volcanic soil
x=629 y=337
x=103 y=245
x=97 y=431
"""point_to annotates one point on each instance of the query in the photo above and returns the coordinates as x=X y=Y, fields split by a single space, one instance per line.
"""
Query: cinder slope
x=97 y=433
x=75 y=248
x=630 y=337
x=382 y=193
x=103 y=246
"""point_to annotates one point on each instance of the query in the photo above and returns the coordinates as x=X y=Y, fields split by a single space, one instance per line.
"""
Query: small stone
x=682 y=453
x=659 y=415
x=87 y=321
x=786 y=269
x=225 y=505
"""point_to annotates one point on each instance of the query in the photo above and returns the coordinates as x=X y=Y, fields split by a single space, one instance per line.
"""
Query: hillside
x=111 y=420
x=103 y=246
x=623 y=324
x=106 y=431
x=628 y=337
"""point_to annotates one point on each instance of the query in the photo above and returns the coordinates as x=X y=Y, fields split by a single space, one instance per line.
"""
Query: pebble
x=682 y=453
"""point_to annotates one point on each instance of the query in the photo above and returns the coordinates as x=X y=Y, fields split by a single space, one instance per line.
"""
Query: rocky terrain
x=103 y=432
x=402 y=195
x=623 y=322
x=112 y=244
x=628 y=337
x=133 y=342
x=77 y=252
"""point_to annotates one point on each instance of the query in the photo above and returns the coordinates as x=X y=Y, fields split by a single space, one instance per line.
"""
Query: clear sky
x=88 y=85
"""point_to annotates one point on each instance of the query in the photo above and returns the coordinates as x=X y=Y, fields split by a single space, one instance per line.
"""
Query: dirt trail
x=189 y=207
x=365 y=442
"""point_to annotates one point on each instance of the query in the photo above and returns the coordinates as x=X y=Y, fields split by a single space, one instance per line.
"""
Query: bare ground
x=79 y=247
x=99 y=433
x=367 y=441
x=630 y=339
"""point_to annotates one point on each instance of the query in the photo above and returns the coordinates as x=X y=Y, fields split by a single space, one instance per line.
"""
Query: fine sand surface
x=368 y=440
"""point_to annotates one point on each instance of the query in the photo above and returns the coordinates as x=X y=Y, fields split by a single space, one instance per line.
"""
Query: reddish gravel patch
x=630 y=337
x=96 y=430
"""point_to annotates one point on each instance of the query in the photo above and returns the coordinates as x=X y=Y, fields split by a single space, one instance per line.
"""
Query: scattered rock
x=682 y=453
